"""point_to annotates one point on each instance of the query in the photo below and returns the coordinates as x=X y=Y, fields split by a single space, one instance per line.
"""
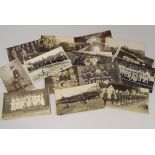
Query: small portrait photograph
x=64 y=79
x=24 y=52
x=24 y=104
x=48 y=64
x=84 y=59
x=124 y=97
x=92 y=43
x=137 y=48
x=49 y=42
x=136 y=75
x=15 y=77
x=78 y=99
x=103 y=74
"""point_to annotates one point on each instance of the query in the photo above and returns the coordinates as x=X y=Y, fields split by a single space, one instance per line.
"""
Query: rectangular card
x=92 y=43
x=129 y=56
x=136 y=75
x=64 y=79
x=48 y=64
x=78 y=99
x=49 y=42
x=112 y=44
x=24 y=104
x=103 y=74
x=126 y=98
x=15 y=77
x=24 y=52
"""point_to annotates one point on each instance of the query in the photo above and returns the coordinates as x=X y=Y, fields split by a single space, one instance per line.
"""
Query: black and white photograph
x=136 y=75
x=24 y=104
x=48 y=64
x=78 y=99
x=24 y=52
x=64 y=79
x=103 y=74
x=124 y=97
x=137 y=48
x=84 y=59
x=93 y=43
x=49 y=42
x=129 y=56
x=15 y=77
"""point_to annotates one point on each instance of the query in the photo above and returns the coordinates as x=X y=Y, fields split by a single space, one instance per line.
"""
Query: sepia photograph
x=84 y=59
x=24 y=104
x=49 y=42
x=48 y=64
x=15 y=77
x=93 y=43
x=103 y=74
x=136 y=48
x=136 y=75
x=124 y=97
x=64 y=79
x=129 y=56
x=24 y=52
x=78 y=99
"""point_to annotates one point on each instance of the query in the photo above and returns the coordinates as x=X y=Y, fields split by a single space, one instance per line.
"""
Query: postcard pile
x=84 y=73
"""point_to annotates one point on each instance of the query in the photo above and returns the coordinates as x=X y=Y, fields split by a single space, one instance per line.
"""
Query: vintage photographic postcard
x=24 y=52
x=15 y=77
x=49 y=42
x=137 y=48
x=103 y=74
x=24 y=104
x=64 y=79
x=78 y=99
x=84 y=59
x=126 y=98
x=92 y=43
x=136 y=75
x=48 y=64
x=129 y=56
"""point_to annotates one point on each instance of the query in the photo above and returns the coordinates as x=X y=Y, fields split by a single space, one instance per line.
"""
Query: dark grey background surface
x=104 y=118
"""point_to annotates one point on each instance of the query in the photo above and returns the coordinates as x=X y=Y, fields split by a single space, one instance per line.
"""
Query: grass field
x=74 y=107
x=138 y=106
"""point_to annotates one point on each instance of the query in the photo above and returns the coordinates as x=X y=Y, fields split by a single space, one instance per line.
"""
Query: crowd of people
x=86 y=60
x=46 y=62
x=24 y=102
x=23 y=52
x=119 y=97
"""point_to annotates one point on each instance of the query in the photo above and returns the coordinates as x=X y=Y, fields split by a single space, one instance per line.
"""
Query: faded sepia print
x=64 y=79
x=15 y=77
x=78 y=99
x=93 y=43
x=49 y=42
x=48 y=64
x=124 y=97
x=24 y=52
x=103 y=74
x=137 y=48
x=25 y=104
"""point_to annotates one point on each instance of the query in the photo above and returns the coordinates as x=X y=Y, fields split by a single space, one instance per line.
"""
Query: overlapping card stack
x=84 y=73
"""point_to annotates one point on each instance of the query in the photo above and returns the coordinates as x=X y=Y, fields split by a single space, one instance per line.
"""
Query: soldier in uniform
x=23 y=54
x=112 y=97
x=105 y=97
x=17 y=78
x=13 y=54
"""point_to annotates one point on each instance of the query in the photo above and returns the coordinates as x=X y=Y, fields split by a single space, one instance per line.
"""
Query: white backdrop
x=104 y=118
